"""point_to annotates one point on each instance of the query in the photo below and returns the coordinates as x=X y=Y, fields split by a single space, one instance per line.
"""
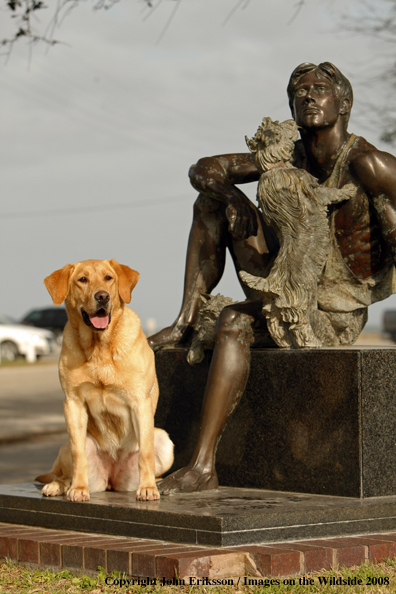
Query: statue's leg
x=209 y=238
x=205 y=263
x=228 y=374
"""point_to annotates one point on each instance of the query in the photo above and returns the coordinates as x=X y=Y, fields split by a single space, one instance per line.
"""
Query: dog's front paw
x=53 y=489
x=254 y=282
x=78 y=494
x=147 y=493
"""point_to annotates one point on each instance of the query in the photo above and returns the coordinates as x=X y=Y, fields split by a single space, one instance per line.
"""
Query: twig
x=170 y=19
x=299 y=6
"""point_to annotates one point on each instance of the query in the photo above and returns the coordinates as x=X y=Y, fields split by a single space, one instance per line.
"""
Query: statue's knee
x=232 y=324
x=227 y=317
x=204 y=204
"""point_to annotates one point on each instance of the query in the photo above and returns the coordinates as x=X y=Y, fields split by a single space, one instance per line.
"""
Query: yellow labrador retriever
x=107 y=372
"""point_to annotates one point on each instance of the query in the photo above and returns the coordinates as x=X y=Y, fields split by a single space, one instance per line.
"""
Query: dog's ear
x=57 y=283
x=127 y=279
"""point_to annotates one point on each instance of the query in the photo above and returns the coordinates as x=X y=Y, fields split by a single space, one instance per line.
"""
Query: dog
x=107 y=373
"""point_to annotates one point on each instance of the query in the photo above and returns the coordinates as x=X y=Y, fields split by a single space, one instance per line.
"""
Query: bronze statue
x=359 y=269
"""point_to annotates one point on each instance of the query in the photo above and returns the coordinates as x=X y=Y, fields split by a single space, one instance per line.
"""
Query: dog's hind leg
x=59 y=479
x=126 y=472
x=163 y=452
x=57 y=487
x=304 y=334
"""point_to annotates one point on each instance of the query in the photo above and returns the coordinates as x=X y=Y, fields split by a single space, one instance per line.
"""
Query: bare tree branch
x=23 y=12
x=168 y=22
x=376 y=19
x=239 y=4
x=298 y=7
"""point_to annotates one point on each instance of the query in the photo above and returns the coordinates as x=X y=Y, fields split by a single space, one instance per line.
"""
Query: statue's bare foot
x=169 y=336
x=188 y=480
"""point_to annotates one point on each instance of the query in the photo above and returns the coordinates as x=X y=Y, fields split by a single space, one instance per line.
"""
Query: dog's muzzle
x=98 y=321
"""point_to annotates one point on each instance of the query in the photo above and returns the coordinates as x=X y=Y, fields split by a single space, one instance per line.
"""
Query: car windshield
x=33 y=316
x=6 y=320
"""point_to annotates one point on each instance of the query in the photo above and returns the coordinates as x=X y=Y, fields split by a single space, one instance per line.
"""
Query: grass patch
x=376 y=579
x=16 y=363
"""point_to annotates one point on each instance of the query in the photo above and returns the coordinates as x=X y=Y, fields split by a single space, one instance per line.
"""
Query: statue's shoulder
x=360 y=149
x=365 y=160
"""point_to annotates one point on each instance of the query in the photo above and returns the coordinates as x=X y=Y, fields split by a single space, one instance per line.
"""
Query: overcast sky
x=97 y=135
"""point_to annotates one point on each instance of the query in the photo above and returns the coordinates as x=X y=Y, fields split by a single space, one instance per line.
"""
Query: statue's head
x=341 y=86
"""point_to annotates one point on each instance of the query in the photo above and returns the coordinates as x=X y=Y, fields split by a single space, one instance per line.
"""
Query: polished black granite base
x=225 y=517
x=311 y=421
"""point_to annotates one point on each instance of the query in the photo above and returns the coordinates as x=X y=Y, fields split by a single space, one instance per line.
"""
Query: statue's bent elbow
x=198 y=174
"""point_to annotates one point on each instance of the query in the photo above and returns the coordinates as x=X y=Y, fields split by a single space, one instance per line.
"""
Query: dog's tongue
x=99 y=320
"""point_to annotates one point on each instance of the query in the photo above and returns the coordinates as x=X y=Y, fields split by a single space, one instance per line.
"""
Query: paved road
x=23 y=461
x=374 y=339
x=32 y=425
x=31 y=401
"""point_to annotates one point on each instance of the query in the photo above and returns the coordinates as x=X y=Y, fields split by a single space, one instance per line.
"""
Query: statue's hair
x=341 y=84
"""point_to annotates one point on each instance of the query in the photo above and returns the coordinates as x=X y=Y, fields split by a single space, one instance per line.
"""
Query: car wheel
x=8 y=351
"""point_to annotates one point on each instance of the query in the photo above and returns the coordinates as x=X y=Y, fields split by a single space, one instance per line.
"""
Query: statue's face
x=315 y=103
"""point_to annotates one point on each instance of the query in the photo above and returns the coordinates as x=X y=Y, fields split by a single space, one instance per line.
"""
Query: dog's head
x=93 y=289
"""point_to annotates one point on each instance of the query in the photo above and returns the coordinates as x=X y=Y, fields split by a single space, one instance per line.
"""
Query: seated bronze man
x=358 y=272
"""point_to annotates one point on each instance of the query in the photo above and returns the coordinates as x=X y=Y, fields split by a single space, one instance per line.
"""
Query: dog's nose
x=102 y=297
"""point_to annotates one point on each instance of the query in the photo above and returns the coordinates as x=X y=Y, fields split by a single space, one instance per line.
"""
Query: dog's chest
x=101 y=372
x=109 y=417
x=107 y=403
x=104 y=390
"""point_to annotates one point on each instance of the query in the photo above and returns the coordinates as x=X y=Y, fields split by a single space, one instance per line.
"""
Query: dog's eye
x=83 y=279
x=107 y=277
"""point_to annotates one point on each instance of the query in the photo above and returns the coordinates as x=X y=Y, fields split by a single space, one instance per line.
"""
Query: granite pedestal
x=311 y=421
x=225 y=517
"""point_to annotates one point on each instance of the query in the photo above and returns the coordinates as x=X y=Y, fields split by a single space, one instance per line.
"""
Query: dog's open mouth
x=99 y=320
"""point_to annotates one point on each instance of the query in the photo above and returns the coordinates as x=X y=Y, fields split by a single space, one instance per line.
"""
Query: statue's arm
x=375 y=171
x=217 y=177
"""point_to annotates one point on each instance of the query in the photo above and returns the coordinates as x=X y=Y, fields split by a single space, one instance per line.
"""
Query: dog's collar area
x=98 y=321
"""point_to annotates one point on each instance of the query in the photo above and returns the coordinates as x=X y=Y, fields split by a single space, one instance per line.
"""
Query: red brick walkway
x=150 y=558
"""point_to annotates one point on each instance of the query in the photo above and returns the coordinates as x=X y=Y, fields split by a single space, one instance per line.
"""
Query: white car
x=17 y=340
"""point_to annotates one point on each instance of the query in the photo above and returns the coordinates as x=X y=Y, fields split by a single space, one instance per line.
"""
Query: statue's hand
x=241 y=218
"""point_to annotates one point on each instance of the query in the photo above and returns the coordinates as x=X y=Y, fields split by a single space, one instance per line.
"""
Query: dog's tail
x=46 y=478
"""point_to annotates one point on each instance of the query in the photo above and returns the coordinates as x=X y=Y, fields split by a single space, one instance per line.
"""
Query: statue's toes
x=188 y=481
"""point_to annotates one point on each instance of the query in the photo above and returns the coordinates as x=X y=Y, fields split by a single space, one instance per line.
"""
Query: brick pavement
x=150 y=558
